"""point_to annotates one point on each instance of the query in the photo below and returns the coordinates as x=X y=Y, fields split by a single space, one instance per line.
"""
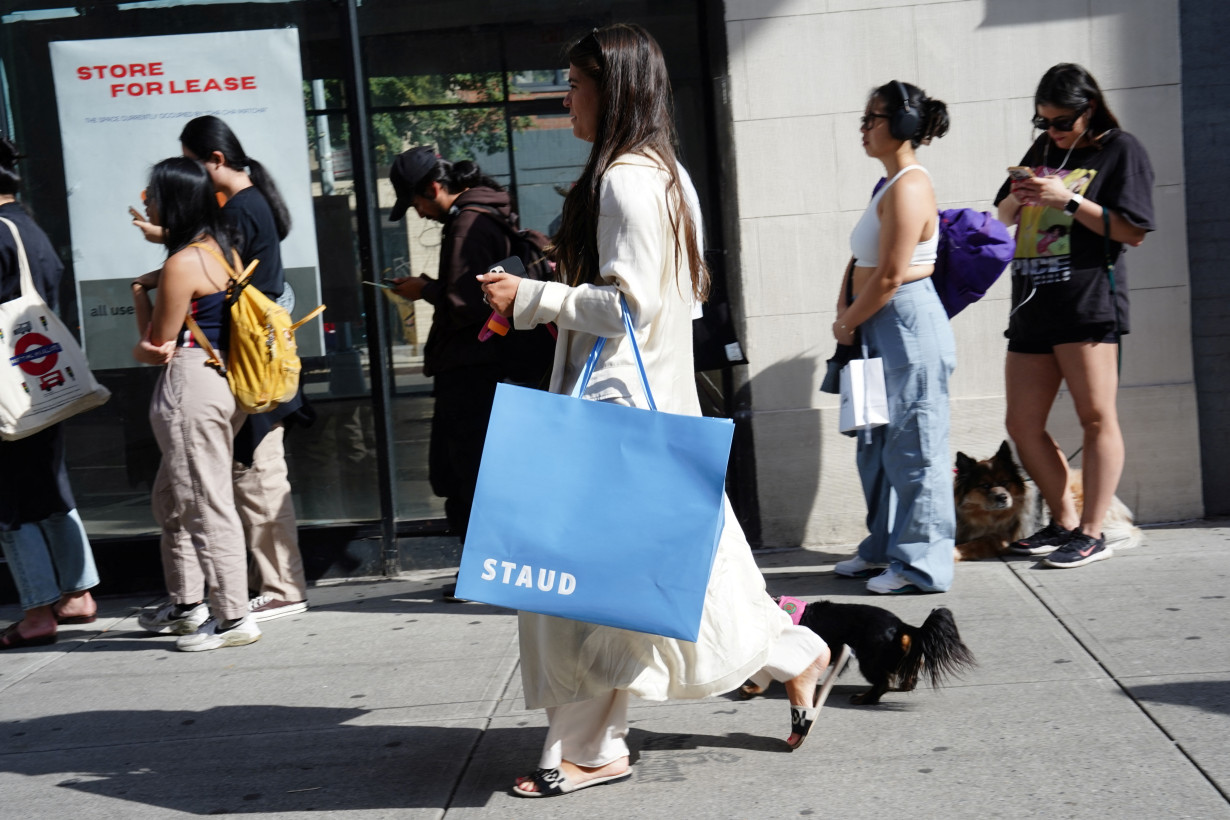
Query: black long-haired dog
x=891 y=653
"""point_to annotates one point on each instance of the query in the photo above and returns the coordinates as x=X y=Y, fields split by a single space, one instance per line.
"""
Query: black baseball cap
x=406 y=174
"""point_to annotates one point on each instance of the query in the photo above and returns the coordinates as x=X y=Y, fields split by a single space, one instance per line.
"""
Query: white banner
x=122 y=105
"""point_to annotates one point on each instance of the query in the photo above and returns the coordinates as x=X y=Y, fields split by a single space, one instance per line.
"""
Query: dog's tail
x=942 y=652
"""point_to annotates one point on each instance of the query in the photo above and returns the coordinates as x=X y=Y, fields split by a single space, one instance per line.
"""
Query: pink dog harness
x=793 y=607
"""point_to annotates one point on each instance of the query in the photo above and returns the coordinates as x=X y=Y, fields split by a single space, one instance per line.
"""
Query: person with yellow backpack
x=259 y=219
x=194 y=416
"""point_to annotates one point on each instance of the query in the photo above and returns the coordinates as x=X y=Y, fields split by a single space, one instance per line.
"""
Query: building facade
x=768 y=96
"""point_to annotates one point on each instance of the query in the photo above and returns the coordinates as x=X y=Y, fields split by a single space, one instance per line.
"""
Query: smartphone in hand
x=136 y=214
x=1019 y=172
x=383 y=283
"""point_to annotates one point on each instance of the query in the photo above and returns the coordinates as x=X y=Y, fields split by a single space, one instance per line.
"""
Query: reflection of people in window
x=1053 y=241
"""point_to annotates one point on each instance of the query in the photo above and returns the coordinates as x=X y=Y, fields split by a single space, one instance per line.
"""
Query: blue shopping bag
x=595 y=511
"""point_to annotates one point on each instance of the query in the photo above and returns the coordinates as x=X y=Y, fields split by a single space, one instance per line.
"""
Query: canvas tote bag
x=595 y=511
x=44 y=375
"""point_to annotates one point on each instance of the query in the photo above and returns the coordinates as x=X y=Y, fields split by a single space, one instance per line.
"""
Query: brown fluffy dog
x=997 y=504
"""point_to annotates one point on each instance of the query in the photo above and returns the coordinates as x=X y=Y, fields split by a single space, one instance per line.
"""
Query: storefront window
x=478 y=81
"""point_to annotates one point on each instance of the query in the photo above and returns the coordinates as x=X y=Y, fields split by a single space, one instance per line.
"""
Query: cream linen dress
x=565 y=661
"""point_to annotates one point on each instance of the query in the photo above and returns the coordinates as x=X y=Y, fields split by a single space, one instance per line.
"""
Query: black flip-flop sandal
x=10 y=638
x=553 y=782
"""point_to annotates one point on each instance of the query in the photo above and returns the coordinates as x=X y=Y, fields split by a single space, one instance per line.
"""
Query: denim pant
x=49 y=558
x=906 y=468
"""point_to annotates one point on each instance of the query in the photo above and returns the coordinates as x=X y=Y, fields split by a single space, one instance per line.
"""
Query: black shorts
x=1097 y=332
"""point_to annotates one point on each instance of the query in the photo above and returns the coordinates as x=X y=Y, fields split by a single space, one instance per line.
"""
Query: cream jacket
x=564 y=661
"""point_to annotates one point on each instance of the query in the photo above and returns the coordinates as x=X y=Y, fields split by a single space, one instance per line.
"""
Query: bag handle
x=592 y=361
x=23 y=262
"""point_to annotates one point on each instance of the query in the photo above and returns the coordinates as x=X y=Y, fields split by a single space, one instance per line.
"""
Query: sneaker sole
x=874 y=569
x=1097 y=556
x=294 y=609
x=220 y=642
x=1033 y=550
x=174 y=628
x=897 y=591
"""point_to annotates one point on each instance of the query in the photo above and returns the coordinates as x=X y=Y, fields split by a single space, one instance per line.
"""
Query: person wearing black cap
x=465 y=370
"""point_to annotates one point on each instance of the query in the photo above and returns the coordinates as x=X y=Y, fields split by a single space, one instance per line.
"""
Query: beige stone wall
x=800 y=71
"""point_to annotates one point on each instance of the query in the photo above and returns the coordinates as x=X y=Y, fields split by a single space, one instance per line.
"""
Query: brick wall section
x=1206 y=120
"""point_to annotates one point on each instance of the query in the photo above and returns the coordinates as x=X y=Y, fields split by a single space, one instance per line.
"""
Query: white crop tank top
x=865 y=238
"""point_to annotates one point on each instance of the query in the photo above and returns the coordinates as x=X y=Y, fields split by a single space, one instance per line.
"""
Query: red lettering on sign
x=248 y=83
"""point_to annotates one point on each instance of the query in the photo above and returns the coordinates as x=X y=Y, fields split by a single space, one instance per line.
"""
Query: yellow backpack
x=262 y=364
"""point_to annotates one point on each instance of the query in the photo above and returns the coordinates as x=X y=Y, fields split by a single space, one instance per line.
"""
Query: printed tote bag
x=45 y=377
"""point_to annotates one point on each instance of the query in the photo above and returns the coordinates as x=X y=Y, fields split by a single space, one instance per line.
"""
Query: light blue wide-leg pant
x=49 y=558
x=905 y=467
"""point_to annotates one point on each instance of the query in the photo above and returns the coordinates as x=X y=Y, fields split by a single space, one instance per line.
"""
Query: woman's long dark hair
x=1068 y=85
x=635 y=116
x=204 y=135
x=187 y=209
x=456 y=177
x=10 y=179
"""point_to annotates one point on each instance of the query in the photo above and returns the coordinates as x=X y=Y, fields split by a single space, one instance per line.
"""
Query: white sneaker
x=208 y=637
x=888 y=582
x=856 y=567
x=166 y=621
x=266 y=607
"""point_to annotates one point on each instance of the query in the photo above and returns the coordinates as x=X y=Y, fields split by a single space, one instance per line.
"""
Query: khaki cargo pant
x=195 y=419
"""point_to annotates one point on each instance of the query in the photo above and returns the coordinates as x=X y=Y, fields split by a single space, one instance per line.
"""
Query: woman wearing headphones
x=889 y=305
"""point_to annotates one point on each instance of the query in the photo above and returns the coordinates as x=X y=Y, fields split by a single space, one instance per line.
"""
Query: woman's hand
x=500 y=291
x=843 y=334
x=146 y=352
x=151 y=232
x=1047 y=191
x=409 y=287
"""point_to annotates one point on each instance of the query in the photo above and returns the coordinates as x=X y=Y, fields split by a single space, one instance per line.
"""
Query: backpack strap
x=514 y=232
x=240 y=279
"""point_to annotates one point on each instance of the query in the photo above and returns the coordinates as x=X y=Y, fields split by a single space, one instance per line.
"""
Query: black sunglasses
x=1059 y=123
x=868 y=121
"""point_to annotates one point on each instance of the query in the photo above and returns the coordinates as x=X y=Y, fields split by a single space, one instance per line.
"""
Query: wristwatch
x=1073 y=205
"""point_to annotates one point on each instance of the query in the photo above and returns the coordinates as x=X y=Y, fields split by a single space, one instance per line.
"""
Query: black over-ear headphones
x=904 y=122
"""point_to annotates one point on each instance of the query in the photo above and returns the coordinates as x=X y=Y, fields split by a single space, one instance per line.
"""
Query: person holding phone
x=631 y=228
x=259 y=220
x=1095 y=182
x=194 y=417
x=464 y=370
x=888 y=303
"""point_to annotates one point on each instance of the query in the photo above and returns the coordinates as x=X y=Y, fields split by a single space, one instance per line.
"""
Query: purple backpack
x=975 y=247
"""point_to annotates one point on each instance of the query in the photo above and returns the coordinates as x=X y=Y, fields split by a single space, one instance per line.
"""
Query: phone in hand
x=136 y=214
x=512 y=264
x=387 y=284
x=1019 y=172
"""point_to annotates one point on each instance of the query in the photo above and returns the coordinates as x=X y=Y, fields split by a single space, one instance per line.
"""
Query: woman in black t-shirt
x=1088 y=192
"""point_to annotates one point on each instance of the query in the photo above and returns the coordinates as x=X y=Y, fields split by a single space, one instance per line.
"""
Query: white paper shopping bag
x=864 y=401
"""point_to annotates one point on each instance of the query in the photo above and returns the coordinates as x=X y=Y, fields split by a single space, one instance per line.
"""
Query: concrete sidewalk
x=1101 y=693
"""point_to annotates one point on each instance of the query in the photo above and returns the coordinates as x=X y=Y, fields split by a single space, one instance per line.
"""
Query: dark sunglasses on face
x=1059 y=123
x=868 y=121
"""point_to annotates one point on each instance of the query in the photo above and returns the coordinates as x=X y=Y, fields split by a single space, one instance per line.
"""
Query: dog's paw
x=749 y=690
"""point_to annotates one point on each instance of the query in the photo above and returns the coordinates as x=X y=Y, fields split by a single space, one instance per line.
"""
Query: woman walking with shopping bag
x=631 y=232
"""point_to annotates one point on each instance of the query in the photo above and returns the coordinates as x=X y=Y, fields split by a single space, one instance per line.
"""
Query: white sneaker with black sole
x=169 y=619
x=208 y=637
